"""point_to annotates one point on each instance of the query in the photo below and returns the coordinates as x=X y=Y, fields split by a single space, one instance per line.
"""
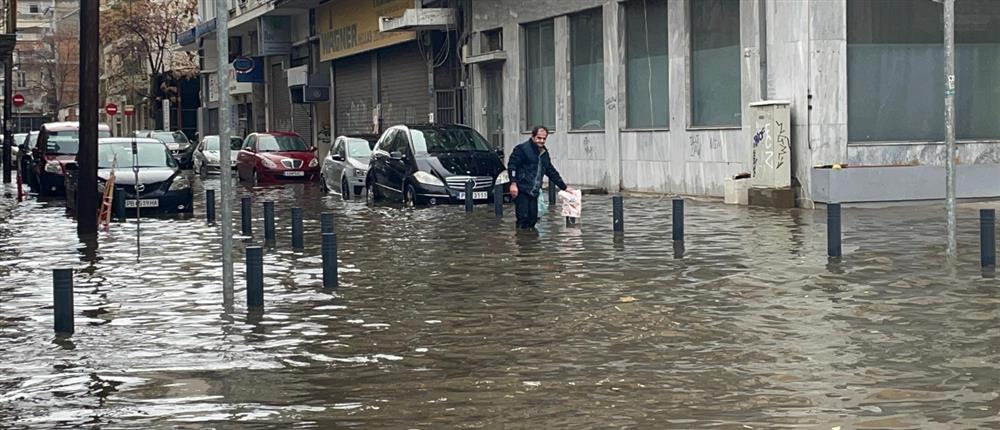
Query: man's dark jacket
x=523 y=168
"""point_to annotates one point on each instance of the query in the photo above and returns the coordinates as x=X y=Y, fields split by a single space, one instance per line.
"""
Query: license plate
x=143 y=203
x=295 y=173
x=476 y=195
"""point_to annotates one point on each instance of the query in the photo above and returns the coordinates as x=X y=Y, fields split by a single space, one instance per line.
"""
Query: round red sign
x=111 y=109
x=129 y=109
x=18 y=100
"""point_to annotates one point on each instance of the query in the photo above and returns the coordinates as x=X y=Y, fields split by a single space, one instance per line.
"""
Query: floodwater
x=448 y=320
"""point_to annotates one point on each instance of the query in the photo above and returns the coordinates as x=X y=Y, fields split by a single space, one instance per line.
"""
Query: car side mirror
x=337 y=157
x=396 y=155
x=251 y=149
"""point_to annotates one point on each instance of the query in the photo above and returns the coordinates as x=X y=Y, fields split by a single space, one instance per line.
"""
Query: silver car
x=206 y=156
x=345 y=167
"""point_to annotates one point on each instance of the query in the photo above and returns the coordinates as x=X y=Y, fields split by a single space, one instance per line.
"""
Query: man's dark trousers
x=526 y=209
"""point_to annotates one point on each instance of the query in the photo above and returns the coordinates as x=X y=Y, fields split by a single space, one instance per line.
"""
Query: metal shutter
x=352 y=98
x=281 y=105
x=302 y=122
x=403 y=85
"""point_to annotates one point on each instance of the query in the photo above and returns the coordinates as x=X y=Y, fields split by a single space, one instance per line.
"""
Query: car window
x=399 y=143
x=435 y=140
x=120 y=154
x=32 y=140
x=338 y=147
x=358 y=147
x=248 y=143
x=170 y=137
x=272 y=143
x=386 y=141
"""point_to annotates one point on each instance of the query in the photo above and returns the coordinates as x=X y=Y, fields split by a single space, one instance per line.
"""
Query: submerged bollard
x=833 y=230
x=245 y=208
x=988 y=237
x=210 y=206
x=269 y=222
x=678 y=220
x=326 y=222
x=62 y=300
x=618 y=213
x=498 y=200
x=297 y=228
x=552 y=193
x=255 y=277
x=329 y=250
x=468 y=195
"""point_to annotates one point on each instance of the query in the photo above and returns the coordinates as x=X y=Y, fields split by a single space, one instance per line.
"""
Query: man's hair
x=534 y=131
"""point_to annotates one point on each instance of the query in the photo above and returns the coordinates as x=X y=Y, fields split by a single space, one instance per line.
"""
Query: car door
x=397 y=168
x=336 y=166
x=245 y=160
x=379 y=158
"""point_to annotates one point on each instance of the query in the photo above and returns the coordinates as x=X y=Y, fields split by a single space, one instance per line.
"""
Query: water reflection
x=444 y=319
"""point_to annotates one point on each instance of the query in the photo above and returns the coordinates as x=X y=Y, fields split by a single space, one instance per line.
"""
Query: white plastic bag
x=571 y=203
x=543 y=204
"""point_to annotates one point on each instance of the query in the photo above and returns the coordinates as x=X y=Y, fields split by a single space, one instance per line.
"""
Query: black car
x=431 y=163
x=25 y=149
x=178 y=144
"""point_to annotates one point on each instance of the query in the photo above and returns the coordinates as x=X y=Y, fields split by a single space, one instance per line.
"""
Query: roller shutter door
x=403 y=87
x=302 y=122
x=352 y=95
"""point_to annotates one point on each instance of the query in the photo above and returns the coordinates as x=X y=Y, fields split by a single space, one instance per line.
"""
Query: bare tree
x=57 y=57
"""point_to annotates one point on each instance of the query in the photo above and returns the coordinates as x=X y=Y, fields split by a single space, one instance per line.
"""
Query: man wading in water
x=528 y=163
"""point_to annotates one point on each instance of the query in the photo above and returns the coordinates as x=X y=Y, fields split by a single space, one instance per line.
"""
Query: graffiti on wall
x=759 y=138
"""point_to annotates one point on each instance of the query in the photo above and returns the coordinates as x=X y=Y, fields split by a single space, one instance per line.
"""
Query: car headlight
x=360 y=173
x=268 y=163
x=502 y=178
x=427 y=179
x=180 y=183
x=53 y=167
x=313 y=163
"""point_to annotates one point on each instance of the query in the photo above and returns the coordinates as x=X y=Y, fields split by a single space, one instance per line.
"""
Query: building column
x=613 y=71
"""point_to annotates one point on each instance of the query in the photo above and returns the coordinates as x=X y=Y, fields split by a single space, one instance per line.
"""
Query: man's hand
x=513 y=190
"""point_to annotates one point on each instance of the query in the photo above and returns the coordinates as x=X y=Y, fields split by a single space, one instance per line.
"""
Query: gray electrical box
x=772 y=144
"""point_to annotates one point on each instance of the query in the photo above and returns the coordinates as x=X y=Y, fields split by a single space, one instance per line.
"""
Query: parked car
x=276 y=156
x=161 y=186
x=25 y=148
x=178 y=144
x=206 y=156
x=15 y=144
x=431 y=164
x=346 y=166
x=58 y=143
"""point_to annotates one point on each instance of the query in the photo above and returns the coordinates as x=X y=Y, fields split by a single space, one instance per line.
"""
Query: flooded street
x=449 y=320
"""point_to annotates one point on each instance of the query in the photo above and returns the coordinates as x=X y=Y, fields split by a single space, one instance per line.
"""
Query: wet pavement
x=448 y=320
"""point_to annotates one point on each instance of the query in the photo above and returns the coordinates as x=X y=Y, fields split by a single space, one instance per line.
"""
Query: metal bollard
x=118 y=201
x=326 y=222
x=988 y=237
x=570 y=221
x=62 y=300
x=329 y=250
x=297 y=228
x=245 y=207
x=255 y=277
x=498 y=201
x=269 y=222
x=618 y=213
x=552 y=193
x=678 y=220
x=833 y=230
x=210 y=206
x=468 y=195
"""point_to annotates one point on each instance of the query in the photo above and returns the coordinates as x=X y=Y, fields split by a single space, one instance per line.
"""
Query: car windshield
x=439 y=140
x=149 y=155
x=270 y=143
x=358 y=148
x=68 y=141
x=170 y=137
x=212 y=143
x=32 y=140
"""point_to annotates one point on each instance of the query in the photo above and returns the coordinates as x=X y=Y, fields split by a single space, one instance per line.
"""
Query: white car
x=206 y=156
x=345 y=167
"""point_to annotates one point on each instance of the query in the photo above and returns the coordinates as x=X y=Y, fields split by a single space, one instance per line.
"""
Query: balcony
x=419 y=19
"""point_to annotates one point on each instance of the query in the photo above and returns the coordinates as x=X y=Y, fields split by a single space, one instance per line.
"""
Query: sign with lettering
x=274 y=35
x=348 y=27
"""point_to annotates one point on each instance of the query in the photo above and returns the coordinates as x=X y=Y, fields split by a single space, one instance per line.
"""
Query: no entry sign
x=111 y=109
x=18 y=100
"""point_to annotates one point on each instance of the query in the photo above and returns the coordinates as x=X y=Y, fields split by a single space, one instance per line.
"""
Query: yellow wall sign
x=348 y=27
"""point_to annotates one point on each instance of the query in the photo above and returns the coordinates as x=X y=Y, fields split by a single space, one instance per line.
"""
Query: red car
x=58 y=143
x=276 y=156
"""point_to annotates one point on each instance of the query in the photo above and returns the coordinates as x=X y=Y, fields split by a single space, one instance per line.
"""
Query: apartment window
x=540 y=82
x=491 y=40
x=22 y=80
x=587 y=70
x=33 y=8
x=715 y=63
x=646 y=90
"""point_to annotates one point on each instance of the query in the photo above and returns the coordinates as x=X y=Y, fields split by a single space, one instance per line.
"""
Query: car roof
x=127 y=140
x=427 y=125
x=277 y=133
x=70 y=125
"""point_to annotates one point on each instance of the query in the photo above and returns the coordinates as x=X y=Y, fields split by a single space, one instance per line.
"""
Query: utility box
x=772 y=144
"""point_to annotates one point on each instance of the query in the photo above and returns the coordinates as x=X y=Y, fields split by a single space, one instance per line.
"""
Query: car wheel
x=410 y=196
x=345 y=190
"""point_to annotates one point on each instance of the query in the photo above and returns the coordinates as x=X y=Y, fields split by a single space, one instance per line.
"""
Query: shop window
x=646 y=76
x=587 y=70
x=715 y=63
x=977 y=69
x=540 y=79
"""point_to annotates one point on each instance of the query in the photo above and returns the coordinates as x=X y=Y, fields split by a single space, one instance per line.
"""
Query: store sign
x=253 y=75
x=274 y=35
x=347 y=27
x=213 y=87
x=235 y=86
